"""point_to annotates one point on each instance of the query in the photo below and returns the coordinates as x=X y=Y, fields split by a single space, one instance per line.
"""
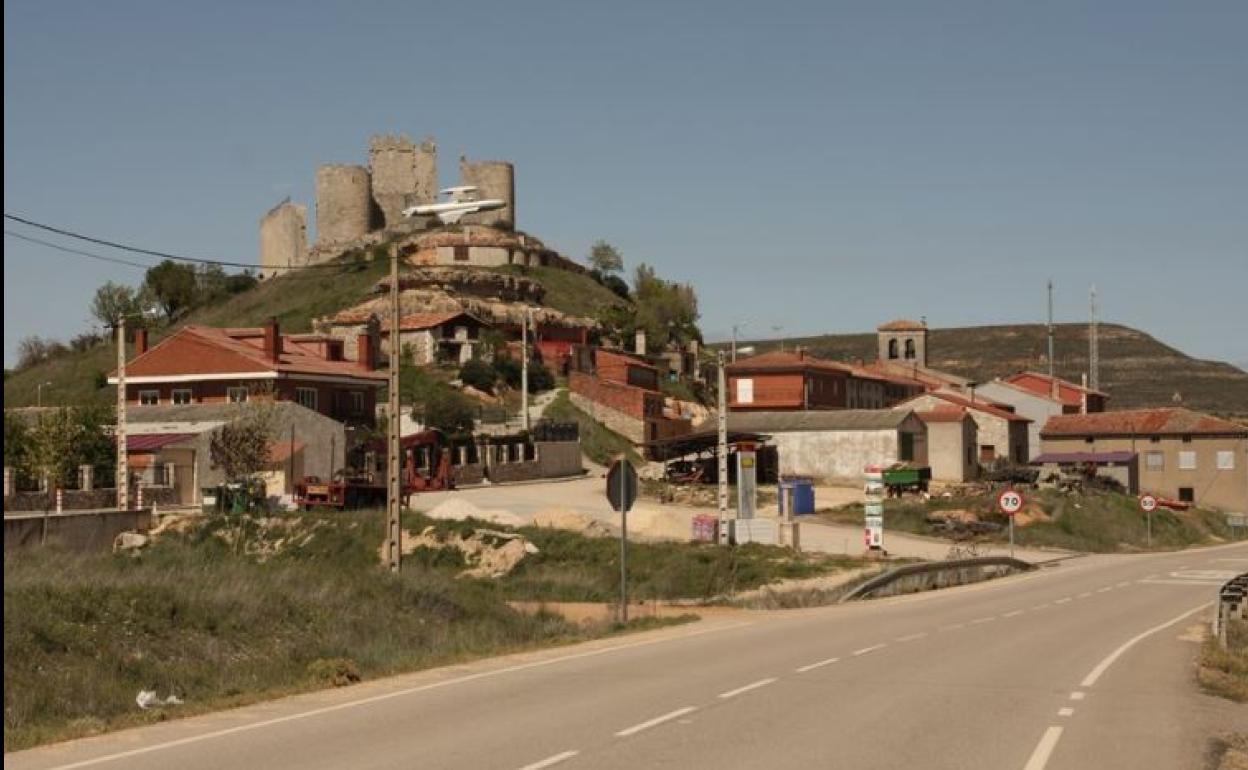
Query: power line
x=68 y=250
x=151 y=252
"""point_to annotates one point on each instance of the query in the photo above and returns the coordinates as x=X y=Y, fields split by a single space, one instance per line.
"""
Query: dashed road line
x=1013 y=614
x=1044 y=749
x=1084 y=595
x=1123 y=584
x=1040 y=606
x=1103 y=590
x=548 y=761
x=1065 y=711
x=954 y=627
x=669 y=716
x=747 y=688
x=912 y=637
x=1077 y=695
x=818 y=664
x=1062 y=600
x=872 y=648
x=977 y=621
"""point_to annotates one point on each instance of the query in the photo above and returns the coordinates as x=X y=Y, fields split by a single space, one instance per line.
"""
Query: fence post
x=8 y=481
x=86 y=478
x=60 y=500
x=138 y=500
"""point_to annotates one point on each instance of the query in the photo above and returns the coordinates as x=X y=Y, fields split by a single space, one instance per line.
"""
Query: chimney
x=140 y=341
x=639 y=342
x=364 y=351
x=272 y=340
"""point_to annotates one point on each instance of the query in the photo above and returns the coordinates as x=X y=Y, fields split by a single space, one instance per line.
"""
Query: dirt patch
x=486 y=553
x=574 y=521
x=459 y=509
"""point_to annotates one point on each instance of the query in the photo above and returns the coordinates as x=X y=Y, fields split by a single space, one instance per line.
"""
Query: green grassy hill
x=78 y=378
x=1136 y=369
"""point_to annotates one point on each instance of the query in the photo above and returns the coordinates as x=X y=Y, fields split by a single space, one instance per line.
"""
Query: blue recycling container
x=799 y=489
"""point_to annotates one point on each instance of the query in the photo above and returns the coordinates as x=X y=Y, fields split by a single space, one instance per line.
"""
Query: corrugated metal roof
x=836 y=419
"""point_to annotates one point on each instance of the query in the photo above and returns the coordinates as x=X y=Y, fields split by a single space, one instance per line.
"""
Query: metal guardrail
x=1232 y=604
x=863 y=590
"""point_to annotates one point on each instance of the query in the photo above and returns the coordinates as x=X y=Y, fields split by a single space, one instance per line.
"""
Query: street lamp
x=39 y=392
x=735 y=327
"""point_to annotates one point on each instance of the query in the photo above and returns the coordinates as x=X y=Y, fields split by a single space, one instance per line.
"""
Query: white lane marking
x=747 y=688
x=1065 y=711
x=1104 y=665
x=1163 y=582
x=680 y=712
x=954 y=627
x=548 y=761
x=1084 y=595
x=977 y=621
x=1149 y=577
x=1062 y=600
x=813 y=666
x=912 y=637
x=1123 y=584
x=386 y=696
x=1044 y=749
x=1103 y=590
x=1076 y=695
x=1013 y=614
x=872 y=648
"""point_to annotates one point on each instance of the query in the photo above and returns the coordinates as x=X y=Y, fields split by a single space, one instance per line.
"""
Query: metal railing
x=1232 y=605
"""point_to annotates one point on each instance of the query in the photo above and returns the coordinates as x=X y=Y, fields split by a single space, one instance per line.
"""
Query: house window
x=1187 y=495
x=909 y=349
x=745 y=390
x=149 y=397
x=1226 y=460
x=182 y=396
x=1155 y=461
x=987 y=453
x=236 y=395
x=1187 y=461
x=356 y=401
x=892 y=349
x=1187 y=439
x=306 y=397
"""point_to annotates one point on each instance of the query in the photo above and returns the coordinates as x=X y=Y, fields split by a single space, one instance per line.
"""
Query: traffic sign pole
x=1010 y=502
x=1148 y=504
x=623 y=549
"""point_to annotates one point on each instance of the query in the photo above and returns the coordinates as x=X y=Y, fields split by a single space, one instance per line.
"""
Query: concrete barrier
x=929 y=576
x=79 y=530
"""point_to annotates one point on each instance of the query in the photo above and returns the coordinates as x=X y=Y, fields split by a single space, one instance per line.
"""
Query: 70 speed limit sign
x=1010 y=502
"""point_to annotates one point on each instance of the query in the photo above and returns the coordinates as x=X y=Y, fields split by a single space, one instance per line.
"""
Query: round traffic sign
x=1148 y=503
x=622 y=485
x=1010 y=502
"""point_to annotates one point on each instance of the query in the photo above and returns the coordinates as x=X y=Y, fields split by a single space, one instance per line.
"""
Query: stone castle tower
x=283 y=238
x=493 y=179
x=403 y=174
x=344 y=204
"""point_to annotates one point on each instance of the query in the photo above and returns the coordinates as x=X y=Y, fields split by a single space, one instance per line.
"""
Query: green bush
x=479 y=375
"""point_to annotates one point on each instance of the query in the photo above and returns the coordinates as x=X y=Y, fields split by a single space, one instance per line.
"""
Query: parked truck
x=426 y=467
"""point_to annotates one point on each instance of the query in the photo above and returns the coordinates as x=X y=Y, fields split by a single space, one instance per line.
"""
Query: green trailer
x=903 y=477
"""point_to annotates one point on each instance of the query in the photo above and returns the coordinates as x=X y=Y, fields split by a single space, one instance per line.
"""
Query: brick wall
x=631 y=428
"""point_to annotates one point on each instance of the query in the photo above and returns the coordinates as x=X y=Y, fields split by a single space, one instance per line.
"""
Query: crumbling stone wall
x=403 y=174
x=283 y=238
x=493 y=179
x=344 y=204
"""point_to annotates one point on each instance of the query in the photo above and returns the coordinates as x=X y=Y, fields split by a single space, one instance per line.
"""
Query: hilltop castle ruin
x=358 y=207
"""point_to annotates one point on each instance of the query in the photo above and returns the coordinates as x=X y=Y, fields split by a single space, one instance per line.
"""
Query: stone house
x=451 y=337
x=1182 y=454
x=952 y=441
x=1001 y=433
x=1036 y=404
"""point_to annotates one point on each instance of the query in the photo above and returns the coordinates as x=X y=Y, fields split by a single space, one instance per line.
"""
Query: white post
x=524 y=371
x=123 y=470
x=722 y=451
x=60 y=501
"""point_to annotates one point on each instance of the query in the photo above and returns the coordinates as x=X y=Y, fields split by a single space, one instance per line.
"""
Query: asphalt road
x=1086 y=664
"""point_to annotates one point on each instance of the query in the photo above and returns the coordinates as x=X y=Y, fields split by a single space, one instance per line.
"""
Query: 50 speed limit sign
x=1010 y=502
x=1148 y=503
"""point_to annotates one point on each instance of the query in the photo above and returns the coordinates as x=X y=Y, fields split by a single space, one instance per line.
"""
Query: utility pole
x=1094 y=347
x=722 y=450
x=394 y=489
x=524 y=371
x=1052 y=374
x=123 y=467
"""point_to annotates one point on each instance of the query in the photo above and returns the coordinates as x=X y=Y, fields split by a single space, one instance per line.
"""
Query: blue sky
x=819 y=167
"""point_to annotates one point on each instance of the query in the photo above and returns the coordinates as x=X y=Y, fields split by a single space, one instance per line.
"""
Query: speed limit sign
x=1148 y=503
x=1010 y=502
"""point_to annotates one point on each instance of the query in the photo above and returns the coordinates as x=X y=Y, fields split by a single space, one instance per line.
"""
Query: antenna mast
x=1052 y=374
x=1094 y=352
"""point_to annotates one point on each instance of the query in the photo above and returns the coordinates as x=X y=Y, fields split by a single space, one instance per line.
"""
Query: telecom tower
x=1094 y=353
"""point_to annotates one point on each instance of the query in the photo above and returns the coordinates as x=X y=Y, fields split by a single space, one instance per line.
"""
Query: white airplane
x=460 y=201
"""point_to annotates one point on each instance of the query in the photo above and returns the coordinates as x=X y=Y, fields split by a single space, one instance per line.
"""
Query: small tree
x=478 y=374
x=51 y=446
x=450 y=412
x=605 y=258
x=540 y=378
x=241 y=448
x=112 y=302
x=16 y=443
x=173 y=286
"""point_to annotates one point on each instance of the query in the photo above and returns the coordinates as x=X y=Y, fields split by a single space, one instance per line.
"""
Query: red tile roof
x=150 y=442
x=210 y=350
x=783 y=360
x=1042 y=385
x=1141 y=422
x=418 y=321
x=977 y=405
x=942 y=414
